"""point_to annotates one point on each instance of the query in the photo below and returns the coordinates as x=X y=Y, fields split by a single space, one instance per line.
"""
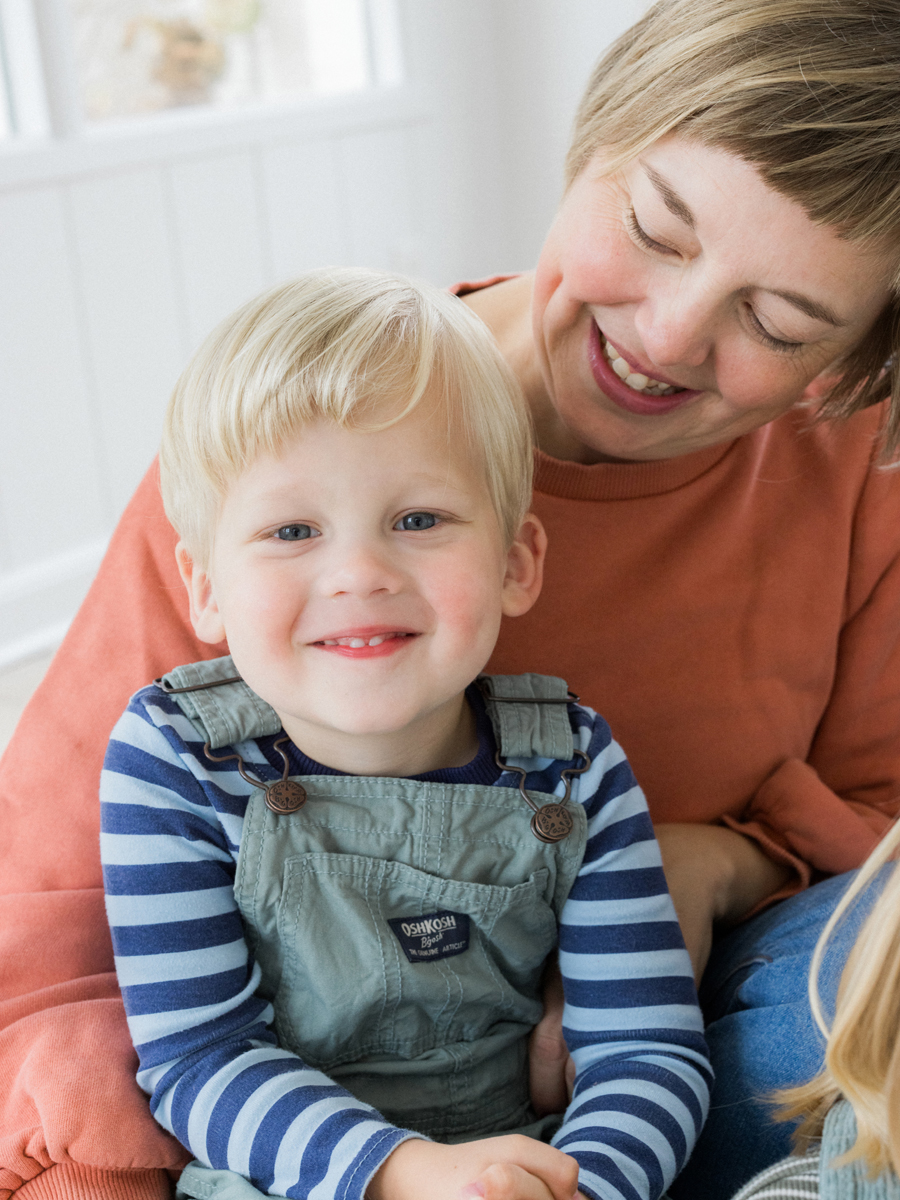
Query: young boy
x=337 y=860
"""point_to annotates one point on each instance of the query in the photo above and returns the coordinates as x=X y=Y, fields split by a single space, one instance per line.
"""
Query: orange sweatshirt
x=735 y=614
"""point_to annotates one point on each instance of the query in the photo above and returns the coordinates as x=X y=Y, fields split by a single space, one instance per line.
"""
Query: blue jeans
x=761 y=1033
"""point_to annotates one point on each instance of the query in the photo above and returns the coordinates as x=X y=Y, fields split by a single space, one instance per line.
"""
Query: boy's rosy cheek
x=467 y=607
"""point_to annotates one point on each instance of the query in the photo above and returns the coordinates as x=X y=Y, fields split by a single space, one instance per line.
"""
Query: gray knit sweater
x=810 y=1178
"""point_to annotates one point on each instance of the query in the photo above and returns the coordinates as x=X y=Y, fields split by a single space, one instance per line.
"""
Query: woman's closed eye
x=416 y=521
x=643 y=238
x=295 y=532
x=782 y=345
x=768 y=339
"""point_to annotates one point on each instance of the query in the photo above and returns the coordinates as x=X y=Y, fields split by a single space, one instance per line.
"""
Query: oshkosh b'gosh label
x=435 y=935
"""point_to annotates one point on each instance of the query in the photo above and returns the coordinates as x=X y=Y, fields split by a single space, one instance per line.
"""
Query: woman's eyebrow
x=670 y=197
x=812 y=308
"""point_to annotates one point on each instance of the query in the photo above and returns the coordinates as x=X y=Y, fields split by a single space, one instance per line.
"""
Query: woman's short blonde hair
x=808 y=91
x=360 y=348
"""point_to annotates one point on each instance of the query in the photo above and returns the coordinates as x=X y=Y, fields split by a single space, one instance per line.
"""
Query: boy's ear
x=205 y=616
x=524 y=567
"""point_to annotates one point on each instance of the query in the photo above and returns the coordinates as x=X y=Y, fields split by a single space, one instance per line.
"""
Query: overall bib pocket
x=409 y=961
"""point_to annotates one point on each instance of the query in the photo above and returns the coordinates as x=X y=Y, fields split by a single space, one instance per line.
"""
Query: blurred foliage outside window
x=138 y=57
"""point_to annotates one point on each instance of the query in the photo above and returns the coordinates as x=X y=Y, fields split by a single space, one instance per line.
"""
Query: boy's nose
x=362 y=570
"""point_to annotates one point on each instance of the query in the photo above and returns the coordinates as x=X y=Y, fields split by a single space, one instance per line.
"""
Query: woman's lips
x=620 y=393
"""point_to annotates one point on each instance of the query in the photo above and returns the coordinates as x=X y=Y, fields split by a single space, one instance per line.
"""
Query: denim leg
x=761 y=1033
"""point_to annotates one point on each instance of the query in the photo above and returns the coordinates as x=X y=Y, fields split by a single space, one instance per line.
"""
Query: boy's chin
x=377 y=734
x=350 y=728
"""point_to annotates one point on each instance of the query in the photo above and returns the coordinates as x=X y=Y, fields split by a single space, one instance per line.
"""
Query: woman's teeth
x=357 y=643
x=634 y=379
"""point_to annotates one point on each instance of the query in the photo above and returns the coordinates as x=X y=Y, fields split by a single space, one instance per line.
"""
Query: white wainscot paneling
x=37 y=603
x=305 y=207
x=51 y=498
x=379 y=199
x=134 y=311
x=52 y=501
x=221 y=249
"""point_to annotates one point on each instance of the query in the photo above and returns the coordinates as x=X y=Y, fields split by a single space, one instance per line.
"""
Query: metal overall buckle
x=284 y=796
x=549 y=822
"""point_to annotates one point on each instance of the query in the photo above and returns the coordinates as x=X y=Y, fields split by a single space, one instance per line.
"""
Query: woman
x=724 y=571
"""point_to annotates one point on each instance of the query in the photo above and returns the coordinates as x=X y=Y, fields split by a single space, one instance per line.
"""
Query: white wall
x=545 y=52
x=119 y=252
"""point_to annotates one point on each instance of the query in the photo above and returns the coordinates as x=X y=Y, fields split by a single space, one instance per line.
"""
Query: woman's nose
x=675 y=325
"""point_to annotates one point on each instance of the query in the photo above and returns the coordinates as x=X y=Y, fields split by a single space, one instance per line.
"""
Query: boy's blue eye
x=294 y=533
x=416 y=521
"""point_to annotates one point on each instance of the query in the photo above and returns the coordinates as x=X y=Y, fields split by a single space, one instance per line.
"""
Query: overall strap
x=529 y=712
x=213 y=696
x=530 y=715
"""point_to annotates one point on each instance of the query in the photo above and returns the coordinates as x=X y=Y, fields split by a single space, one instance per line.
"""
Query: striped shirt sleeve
x=170 y=833
x=631 y=1018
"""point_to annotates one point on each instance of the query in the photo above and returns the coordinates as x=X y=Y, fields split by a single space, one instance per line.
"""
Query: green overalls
x=401 y=927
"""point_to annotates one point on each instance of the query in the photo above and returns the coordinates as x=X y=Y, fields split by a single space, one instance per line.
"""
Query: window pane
x=23 y=108
x=144 y=56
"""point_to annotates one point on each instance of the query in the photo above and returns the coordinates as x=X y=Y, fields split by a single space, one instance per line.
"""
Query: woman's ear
x=205 y=616
x=817 y=389
x=524 y=567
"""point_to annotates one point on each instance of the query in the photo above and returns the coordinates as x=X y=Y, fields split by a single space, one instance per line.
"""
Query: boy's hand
x=513 y=1167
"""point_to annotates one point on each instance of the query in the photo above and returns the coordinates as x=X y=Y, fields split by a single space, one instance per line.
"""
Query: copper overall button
x=285 y=796
x=552 y=823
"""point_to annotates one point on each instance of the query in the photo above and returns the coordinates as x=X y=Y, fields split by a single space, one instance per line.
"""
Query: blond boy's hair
x=360 y=348
x=862 y=1056
x=808 y=92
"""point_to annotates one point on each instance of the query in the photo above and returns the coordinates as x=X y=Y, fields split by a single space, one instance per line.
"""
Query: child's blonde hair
x=862 y=1058
x=356 y=347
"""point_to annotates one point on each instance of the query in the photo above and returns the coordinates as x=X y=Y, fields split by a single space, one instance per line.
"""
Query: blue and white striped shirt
x=171 y=832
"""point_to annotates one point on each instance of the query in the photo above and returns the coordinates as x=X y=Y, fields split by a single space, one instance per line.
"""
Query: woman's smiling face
x=721 y=295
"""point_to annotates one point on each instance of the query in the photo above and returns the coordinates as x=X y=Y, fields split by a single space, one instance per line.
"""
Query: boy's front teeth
x=357 y=643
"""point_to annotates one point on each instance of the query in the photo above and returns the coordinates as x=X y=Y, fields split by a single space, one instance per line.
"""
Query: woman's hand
x=551 y=1072
x=513 y=1167
x=715 y=876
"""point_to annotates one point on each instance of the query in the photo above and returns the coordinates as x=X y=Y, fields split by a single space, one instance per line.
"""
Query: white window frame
x=50 y=140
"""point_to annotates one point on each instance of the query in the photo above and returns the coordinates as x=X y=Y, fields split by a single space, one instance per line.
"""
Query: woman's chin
x=613 y=436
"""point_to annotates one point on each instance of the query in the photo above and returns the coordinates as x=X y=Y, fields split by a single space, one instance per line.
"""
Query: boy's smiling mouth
x=367 y=643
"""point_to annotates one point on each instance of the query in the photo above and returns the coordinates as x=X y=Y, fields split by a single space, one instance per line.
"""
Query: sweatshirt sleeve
x=827 y=813
x=631 y=1019
x=208 y=1054
x=73 y=1123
